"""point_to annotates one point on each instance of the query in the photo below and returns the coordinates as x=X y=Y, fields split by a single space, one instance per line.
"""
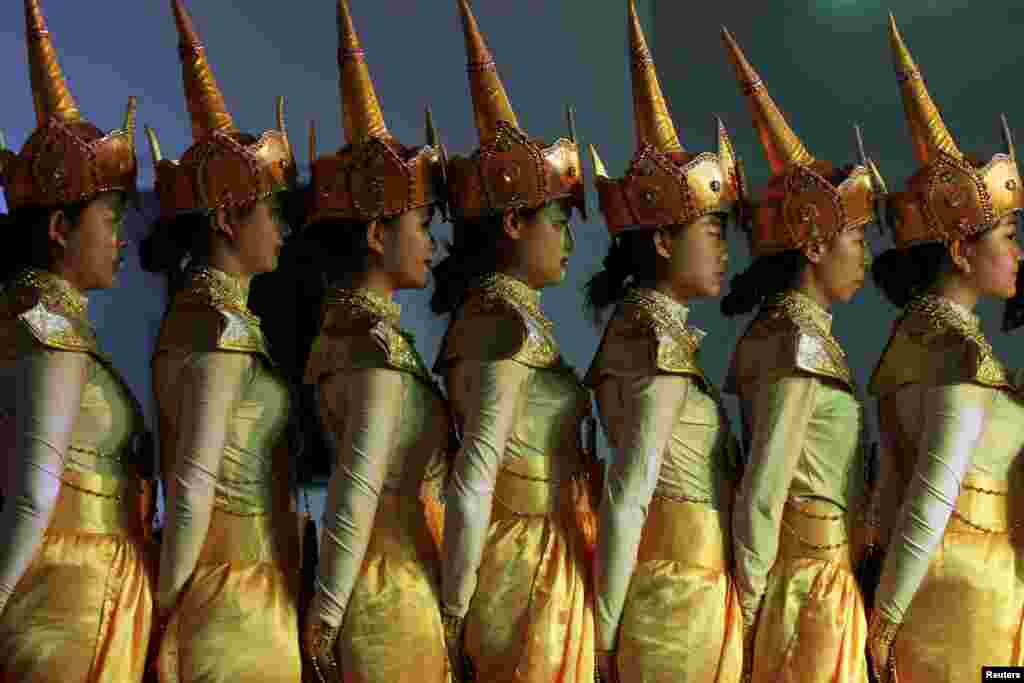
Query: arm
x=49 y=389
x=648 y=410
x=954 y=418
x=362 y=451
x=780 y=413
x=210 y=387
x=492 y=391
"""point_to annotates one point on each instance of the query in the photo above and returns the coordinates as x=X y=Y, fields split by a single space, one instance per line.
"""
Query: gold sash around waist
x=272 y=537
x=815 y=529
x=522 y=495
x=690 y=532
x=983 y=507
x=90 y=503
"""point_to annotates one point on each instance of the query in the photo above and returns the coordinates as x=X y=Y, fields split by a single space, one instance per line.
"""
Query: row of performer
x=470 y=530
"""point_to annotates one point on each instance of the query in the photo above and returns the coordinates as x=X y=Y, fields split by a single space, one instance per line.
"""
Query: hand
x=605 y=670
x=454 y=631
x=749 y=639
x=881 y=635
x=318 y=640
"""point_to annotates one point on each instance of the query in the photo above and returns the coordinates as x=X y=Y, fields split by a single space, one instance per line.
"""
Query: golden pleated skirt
x=83 y=610
x=812 y=627
x=682 y=619
x=392 y=629
x=969 y=610
x=532 y=617
x=237 y=620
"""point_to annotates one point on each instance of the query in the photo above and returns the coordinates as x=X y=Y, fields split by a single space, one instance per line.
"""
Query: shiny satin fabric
x=237 y=619
x=83 y=610
x=969 y=611
x=811 y=626
x=682 y=618
x=392 y=627
x=531 y=618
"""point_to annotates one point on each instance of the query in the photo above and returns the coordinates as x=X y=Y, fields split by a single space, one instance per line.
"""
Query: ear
x=662 y=243
x=512 y=224
x=375 y=237
x=57 y=228
x=959 y=252
x=221 y=223
x=815 y=251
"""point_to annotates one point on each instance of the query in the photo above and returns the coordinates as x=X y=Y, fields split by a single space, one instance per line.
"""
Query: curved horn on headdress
x=279 y=115
x=1008 y=139
x=650 y=112
x=154 y=145
x=927 y=130
x=361 y=116
x=878 y=188
x=599 y=168
x=49 y=89
x=726 y=152
x=312 y=142
x=129 y=120
x=205 y=100
x=490 y=101
x=434 y=140
x=781 y=145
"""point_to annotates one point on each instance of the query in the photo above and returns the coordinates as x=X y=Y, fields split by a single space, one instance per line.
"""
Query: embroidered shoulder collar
x=363 y=303
x=938 y=315
x=54 y=310
x=219 y=290
x=817 y=350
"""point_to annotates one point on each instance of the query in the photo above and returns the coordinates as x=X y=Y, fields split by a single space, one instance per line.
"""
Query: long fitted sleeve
x=953 y=420
x=210 y=388
x=492 y=392
x=49 y=386
x=361 y=412
x=648 y=409
x=780 y=412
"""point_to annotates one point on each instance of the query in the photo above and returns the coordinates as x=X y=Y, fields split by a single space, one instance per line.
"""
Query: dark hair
x=173 y=243
x=473 y=253
x=767 y=276
x=903 y=274
x=27 y=238
x=632 y=259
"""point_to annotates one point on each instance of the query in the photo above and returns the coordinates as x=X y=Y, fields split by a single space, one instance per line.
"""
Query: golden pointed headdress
x=374 y=176
x=66 y=160
x=665 y=185
x=950 y=197
x=806 y=200
x=510 y=169
x=223 y=168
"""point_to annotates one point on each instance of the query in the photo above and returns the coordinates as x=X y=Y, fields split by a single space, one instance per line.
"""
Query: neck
x=230 y=265
x=813 y=290
x=373 y=281
x=666 y=288
x=71 y=276
x=956 y=290
x=518 y=273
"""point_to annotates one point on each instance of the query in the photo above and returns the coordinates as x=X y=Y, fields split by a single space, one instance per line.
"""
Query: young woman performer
x=665 y=600
x=229 y=570
x=375 y=614
x=950 y=599
x=75 y=580
x=515 y=578
x=803 y=497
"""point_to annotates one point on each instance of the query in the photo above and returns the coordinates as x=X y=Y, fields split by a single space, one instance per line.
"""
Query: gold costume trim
x=930 y=330
x=677 y=344
x=53 y=310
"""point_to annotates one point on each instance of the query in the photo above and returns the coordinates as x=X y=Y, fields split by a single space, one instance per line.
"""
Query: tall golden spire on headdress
x=781 y=144
x=650 y=112
x=927 y=130
x=205 y=101
x=490 y=102
x=49 y=89
x=361 y=115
